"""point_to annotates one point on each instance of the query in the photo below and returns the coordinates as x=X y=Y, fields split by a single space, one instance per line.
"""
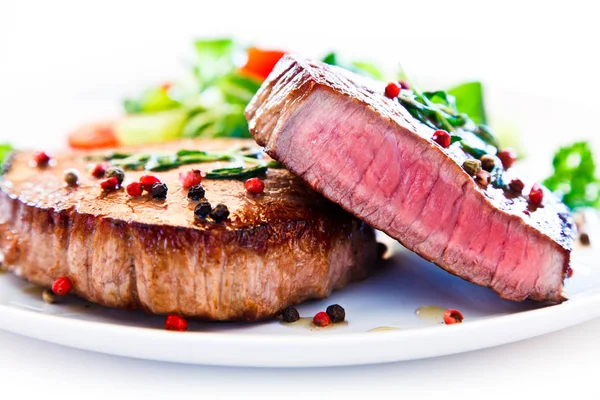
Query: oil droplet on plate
x=431 y=314
x=77 y=309
x=33 y=289
x=383 y=329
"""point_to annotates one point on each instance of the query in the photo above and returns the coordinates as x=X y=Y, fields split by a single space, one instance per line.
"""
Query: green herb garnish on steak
x=170 y=160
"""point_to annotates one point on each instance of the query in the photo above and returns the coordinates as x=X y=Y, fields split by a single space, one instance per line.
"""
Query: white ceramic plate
x=390 y=298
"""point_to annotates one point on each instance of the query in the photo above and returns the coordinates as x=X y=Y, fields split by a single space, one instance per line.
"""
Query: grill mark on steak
x=301 y=115
x=277 y=249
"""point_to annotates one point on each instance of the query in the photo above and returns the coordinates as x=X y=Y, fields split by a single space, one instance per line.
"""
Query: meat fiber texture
x=364 y=151
x=275 y=250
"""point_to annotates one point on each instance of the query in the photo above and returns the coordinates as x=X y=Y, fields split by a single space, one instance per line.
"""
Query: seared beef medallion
x=272 y=250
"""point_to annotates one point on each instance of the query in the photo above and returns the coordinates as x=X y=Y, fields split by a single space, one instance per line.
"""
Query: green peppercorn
x=488 y=162
x=48 y=296
x=71 y=177
x=472 y=166
x=336 y=313
x=117 y=173
x=290 y=314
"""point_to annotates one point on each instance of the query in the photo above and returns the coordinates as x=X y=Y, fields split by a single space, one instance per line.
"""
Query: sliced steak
x=276 y=249
x=365 y=152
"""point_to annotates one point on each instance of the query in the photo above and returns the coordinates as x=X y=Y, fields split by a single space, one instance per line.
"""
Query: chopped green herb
x=330 y=58
x=274 y=165
x=237 y=172
x=167 y=161
x=476 y=152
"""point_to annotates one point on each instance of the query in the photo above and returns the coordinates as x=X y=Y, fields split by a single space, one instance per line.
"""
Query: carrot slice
x=94 y=136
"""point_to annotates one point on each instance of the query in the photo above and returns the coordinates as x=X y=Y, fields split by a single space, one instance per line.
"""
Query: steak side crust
x=276 y=249
x=365 y=152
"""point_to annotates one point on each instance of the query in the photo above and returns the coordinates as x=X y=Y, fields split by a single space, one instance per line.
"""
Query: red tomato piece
x=260 y=62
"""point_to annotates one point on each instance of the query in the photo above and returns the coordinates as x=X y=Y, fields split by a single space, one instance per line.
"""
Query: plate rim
x=267 y=345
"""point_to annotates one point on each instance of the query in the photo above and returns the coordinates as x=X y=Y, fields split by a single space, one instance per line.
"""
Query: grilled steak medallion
x=366 y=152
x=276 y=249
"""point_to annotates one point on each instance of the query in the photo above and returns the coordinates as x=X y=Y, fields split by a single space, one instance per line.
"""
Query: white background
x=55 y=55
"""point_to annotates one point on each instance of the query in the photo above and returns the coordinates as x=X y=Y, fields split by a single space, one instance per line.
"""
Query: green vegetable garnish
x=5 y=150
x=440 y=110
x=574 y=178
x=237 y=172
x=211 y=103
x=468 y=98
x=330 y=58
x=364 y=68
x=214 y=60
x=151 y=100
x=170 y=160
x=151 y=127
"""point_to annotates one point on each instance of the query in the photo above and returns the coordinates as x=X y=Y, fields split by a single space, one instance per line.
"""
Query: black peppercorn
x=336 y=313
x=488 y=162
x=159 y=191
x=117 y=173
x=381 y=250
x=220 y=213
x=584 y=238
x=196 y=193
x=202 y=209
x=290 y=314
